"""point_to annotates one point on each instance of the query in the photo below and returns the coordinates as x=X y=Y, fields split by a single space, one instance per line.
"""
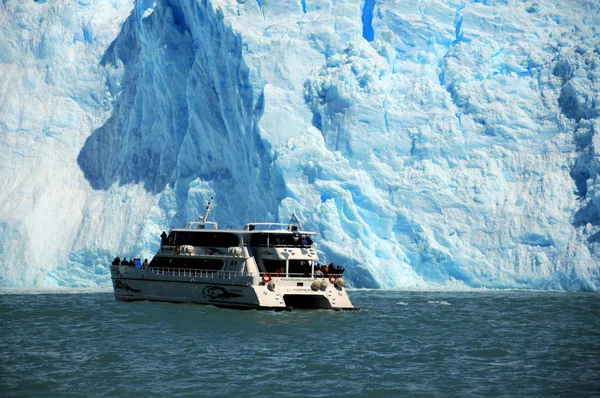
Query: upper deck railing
x=283 y=245
x=201 y=273
x=275 y=227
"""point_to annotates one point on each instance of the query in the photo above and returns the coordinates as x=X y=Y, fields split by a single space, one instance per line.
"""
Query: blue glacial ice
x=431 y=144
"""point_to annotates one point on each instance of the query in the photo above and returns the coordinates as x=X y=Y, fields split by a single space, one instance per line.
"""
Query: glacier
x=430 y=143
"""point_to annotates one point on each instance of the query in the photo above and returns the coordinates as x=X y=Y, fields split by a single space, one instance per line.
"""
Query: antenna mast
x=208 y=206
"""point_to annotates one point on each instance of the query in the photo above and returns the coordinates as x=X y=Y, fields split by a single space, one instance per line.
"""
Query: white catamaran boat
x=263 y=266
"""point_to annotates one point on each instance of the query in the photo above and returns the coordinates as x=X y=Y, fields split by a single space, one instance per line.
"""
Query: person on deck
x=145 y=265
x=318 y=272
x=124 y=262
x=116 y=261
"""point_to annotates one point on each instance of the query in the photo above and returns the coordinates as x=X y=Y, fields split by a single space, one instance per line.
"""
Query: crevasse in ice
x=431 y=144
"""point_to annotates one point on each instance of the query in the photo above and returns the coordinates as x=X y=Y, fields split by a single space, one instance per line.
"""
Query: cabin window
x=171 y=238
x=299 y=267
x=207 y=239
x=189 y=263
x=293 y=240
x=296 y=267
x=272 y=266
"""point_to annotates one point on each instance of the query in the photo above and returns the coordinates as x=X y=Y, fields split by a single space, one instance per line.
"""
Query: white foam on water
x=439 y=302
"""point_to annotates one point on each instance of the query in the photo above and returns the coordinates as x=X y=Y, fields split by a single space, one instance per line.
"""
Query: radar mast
x=204 y=218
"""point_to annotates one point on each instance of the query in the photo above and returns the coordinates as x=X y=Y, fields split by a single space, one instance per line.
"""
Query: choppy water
x=400 y=344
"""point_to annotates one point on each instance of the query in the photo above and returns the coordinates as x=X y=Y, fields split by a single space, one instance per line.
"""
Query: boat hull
x=227 y=290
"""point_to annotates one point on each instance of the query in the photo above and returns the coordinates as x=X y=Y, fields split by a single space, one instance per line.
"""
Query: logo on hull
x=124 y=286
x=218 y=292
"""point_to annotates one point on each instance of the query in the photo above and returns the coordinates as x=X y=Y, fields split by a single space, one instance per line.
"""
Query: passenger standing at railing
x=124 y=262
x=145 y=265
x=138 y=263
x=116 y=261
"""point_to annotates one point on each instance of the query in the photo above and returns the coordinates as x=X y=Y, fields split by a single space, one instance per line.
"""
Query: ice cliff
x=430 y=143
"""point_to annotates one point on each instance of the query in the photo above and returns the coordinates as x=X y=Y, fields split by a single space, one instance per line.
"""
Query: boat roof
x=258 y=228
x=245 y=231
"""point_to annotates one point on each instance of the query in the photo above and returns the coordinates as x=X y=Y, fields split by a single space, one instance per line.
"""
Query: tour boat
x=269 y=266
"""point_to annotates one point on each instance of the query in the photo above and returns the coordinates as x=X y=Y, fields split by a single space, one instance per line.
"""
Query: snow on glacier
x=429 y=143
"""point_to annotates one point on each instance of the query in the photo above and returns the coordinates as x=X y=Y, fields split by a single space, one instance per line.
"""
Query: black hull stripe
x=161 y=280
x=235 y=306
x=213 y=303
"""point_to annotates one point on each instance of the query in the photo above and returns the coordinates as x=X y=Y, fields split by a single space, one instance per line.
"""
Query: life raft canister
x=266 y=277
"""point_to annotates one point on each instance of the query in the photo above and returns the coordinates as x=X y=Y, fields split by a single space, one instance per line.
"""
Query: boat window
x=296 y=267
x=209 y=239
x=171 y=238
x=299 y=267
x=191 y=263
x=289 y=240
x=274 y=265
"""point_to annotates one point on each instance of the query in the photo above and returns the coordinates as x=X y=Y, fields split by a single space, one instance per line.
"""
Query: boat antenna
x=294 y=220
x=208 y=206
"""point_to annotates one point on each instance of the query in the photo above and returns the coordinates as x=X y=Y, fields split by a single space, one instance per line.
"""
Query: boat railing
x=201 y=273
x=288 y=246
x=300 y=275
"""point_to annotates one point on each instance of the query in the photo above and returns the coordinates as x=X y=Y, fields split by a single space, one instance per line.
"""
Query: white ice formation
x=430 y=143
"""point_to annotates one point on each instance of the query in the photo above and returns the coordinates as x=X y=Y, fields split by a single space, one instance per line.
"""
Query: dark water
x=400 y=344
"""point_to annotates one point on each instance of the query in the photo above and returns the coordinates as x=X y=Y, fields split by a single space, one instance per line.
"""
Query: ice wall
x=429 y=143
x=52 y=93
